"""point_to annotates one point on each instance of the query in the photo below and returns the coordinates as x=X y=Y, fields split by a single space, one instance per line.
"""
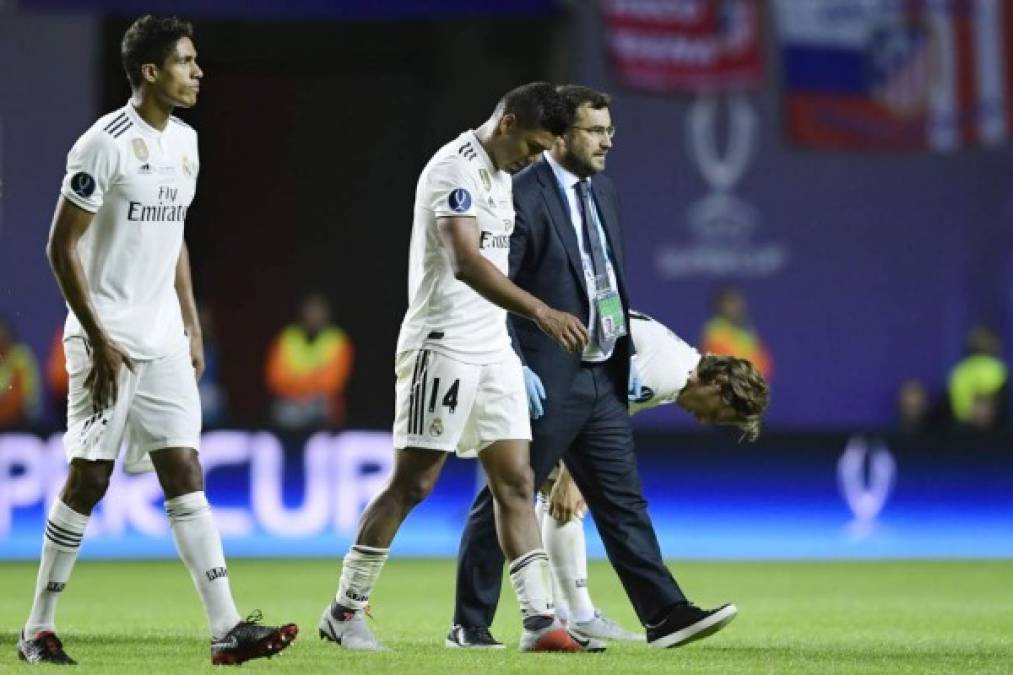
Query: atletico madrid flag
x=900 y=75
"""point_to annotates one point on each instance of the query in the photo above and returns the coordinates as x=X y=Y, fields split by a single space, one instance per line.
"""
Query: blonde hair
x=743 y=388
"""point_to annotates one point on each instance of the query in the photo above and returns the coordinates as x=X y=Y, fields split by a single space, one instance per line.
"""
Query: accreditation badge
x=611 y=321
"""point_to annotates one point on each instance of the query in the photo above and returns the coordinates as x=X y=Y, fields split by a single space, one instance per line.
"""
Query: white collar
x=141 y=125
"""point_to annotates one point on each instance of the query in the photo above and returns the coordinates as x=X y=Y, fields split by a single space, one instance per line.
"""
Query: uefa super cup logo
x=866 y=473
x=722 y=134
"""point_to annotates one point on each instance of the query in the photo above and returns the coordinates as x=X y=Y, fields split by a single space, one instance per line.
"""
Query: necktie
x=594 y=244
x=591 y=236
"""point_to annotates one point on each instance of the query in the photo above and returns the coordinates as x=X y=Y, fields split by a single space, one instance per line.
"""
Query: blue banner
x=786 y=497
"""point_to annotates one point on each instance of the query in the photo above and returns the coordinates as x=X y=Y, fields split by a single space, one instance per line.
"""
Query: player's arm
x=188 y=306
x=460 y=237
x=69 y=224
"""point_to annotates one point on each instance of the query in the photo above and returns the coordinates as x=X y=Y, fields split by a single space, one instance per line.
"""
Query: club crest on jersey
x=436 y=428
x=82 y=184
x=486 y=180
x=189 y=169
x=459 y=200
x=140 y=149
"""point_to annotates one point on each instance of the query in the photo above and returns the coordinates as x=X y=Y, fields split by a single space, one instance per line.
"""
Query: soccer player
x=459 y=385
x=715 y=389
x=132 y=338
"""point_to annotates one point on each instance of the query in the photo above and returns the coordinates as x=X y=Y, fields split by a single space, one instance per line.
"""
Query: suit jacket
x=545 y=261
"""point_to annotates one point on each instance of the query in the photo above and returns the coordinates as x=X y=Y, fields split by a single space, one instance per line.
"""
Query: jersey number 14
x=449 y=399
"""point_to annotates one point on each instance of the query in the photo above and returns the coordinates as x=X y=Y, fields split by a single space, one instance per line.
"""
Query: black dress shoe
x=687 y=622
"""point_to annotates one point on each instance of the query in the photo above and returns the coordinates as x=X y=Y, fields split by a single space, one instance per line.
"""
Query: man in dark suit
x=566 y=249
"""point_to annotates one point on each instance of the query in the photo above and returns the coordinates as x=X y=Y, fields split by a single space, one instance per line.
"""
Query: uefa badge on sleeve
x=82 y=184
x=459 y=200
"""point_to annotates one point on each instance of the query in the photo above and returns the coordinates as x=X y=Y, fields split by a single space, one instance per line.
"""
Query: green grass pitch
x=833 y=617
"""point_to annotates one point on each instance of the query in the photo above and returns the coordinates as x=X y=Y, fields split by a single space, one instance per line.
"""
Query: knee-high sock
x=531 y=578
x=559 y=598
x=567 y=551
x=359 y=572
x=64 y=530
x=200 y=547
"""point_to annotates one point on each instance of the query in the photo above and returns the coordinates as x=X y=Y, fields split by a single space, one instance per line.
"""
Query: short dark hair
x=536 y=105
x=576 y=95
x=151 y=39
x=742 y=388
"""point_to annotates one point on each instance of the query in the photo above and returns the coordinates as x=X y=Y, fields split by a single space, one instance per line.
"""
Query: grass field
x=852 y=617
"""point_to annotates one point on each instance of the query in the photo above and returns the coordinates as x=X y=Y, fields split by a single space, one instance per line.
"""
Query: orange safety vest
x=299 y=369
x=721 y=336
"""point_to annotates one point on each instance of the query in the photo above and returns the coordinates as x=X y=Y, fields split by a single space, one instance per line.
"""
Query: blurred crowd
x=975 y=398
x=306 y=372
x=308 y=364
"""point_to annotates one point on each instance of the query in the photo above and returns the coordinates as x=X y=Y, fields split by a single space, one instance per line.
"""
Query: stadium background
x=863 y=266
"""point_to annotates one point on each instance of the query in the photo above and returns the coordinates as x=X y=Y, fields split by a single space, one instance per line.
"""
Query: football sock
x=359 y=572
x=200 y=547
x=567 y=551
x=532 y=581
x=558 y=597
x=64 y=530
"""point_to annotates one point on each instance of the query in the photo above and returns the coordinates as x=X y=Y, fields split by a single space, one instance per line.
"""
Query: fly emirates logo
x=166 y=211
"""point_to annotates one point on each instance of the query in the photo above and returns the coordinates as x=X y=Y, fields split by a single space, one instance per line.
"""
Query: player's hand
x=565 y=500
x=536 y=393
x=636 y=385
x=565 y=329
x=196 y=353
x=107 y=357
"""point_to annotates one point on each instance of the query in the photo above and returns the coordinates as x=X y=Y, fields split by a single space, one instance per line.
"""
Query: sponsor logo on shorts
x=436 y=428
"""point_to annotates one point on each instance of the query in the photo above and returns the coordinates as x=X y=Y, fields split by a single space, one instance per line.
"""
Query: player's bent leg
x=567 y=548
x=343 y=621
x=233 y=640
x=511 y=481
x=86 y=484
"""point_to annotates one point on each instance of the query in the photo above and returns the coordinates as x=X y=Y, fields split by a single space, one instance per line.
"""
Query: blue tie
x=598 y=261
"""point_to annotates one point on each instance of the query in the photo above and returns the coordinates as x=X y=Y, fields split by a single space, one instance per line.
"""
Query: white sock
x=567 y=551
x=359 y=572
x=64 y=530
x=532 y=581
x=559 y=598
x=200 y=547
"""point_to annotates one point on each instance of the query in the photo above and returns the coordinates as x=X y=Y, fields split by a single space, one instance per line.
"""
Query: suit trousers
x=589 y=427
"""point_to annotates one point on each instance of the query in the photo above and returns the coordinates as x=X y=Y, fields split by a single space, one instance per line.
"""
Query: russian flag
x=897 y=74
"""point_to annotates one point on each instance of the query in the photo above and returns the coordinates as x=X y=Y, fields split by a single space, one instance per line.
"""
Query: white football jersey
x=663 y=360
x=444 y=314
x=139 y=183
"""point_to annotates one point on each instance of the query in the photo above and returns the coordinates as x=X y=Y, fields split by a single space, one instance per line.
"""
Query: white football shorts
x=156 y=407
x=445 y=404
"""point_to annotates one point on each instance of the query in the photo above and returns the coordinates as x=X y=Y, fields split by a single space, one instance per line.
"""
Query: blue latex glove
x=536 y=393
x=635 y=386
